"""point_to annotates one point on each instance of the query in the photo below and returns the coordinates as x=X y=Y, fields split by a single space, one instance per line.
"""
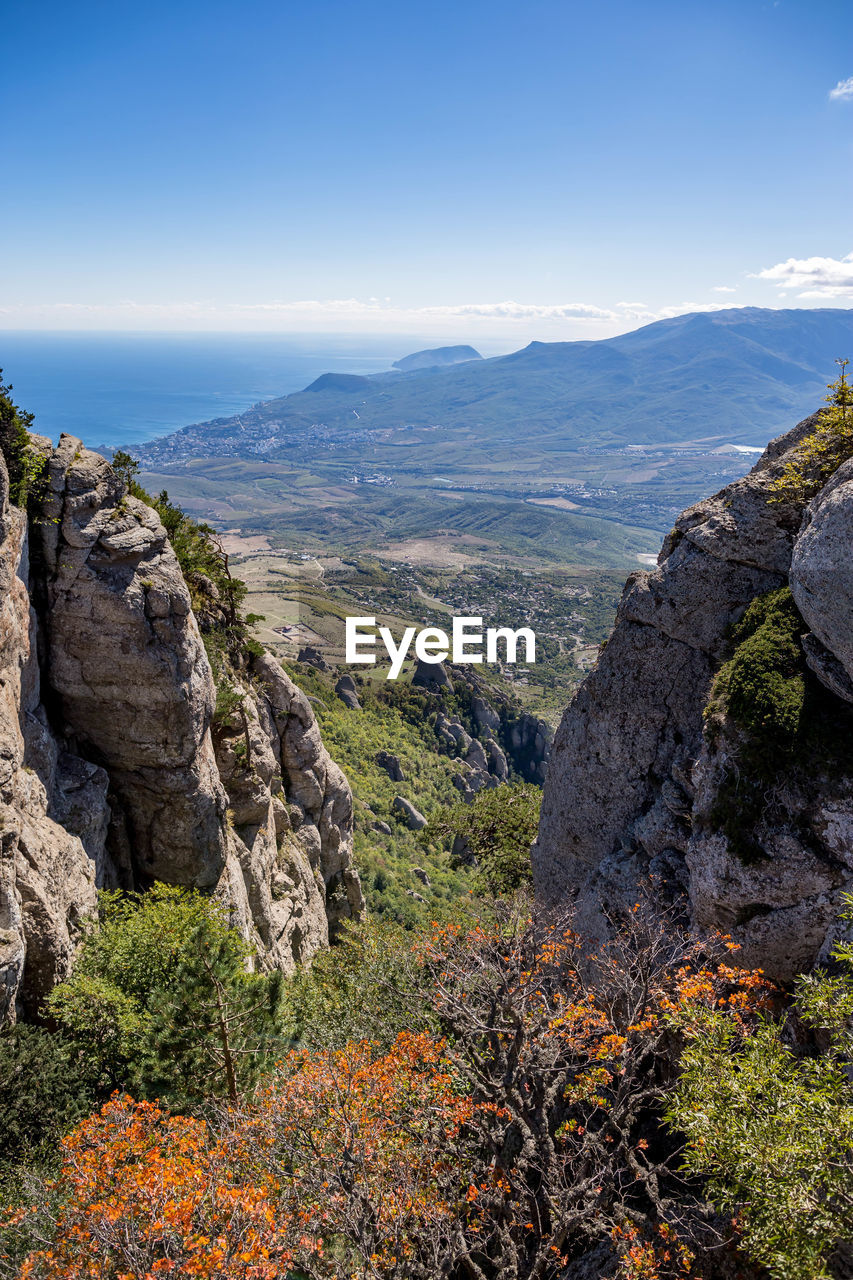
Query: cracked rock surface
x=108 y=769
x=629 y=798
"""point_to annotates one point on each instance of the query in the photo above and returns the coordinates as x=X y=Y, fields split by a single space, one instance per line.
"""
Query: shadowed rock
x=347 y=691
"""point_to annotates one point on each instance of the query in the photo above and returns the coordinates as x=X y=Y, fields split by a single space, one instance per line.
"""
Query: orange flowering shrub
x=339 y=1157
x=146 y=1194
x=525 y=1133
x=366 y=1149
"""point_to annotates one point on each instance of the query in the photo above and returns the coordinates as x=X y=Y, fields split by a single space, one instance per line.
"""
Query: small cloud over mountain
x=815 y=277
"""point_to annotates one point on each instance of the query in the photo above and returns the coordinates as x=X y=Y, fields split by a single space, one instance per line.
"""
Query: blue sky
x=550 y=169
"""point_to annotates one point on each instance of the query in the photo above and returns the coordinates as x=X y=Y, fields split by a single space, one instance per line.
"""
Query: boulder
x=827 y=668
x=412 y=817
x=497 y=760
x=471 y=780
x=822 y=567
x=485 y=715
x=391 y=764
x=347 y=691
x=313 y=658
x=453 y=734
x=461 y=851
x=432 y=676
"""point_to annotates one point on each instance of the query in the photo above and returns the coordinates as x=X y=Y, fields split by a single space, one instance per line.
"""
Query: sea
x=121 y=389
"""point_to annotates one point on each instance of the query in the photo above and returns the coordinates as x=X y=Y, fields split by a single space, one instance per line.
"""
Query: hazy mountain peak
x=338 y=382
x=436 y=357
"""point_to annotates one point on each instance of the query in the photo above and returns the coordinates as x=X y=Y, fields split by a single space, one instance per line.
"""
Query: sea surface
x=122 y=389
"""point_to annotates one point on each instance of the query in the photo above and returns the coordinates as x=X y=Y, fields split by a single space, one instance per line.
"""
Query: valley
x=530 y=484
x=304 y=599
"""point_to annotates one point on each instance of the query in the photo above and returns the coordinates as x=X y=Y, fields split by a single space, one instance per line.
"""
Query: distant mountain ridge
x=738 y=375
x=338 y=382
x=436 y=357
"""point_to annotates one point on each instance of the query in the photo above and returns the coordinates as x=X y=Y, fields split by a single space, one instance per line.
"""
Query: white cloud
x=313 y=310
x=843 y=91
x=814 y=277
x=515 y=321
x=686 y=308
x=723 y=288
x=524 y=311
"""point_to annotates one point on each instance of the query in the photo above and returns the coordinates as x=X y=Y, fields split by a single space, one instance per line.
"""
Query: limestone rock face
x=630 y=794
x=48 y=800
x=290 y=872
x=484 y=761
x=125 y=657
x=528 y=741
x=112 y=777
x=822 y=568
x=782 y=908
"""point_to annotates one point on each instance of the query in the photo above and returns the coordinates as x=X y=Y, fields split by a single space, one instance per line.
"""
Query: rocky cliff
x=745 y=827
x=494 y=736
x=110 y=772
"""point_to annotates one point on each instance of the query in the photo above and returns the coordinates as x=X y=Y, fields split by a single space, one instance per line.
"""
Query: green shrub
x=823 y=451
x=140 y=939
x=783 y=716
x=789 y=728
x=214 y=1028
x=363 y=988
x=160 y=1000
x=127 y=469
x=24 y=464
x=103 y=1021
x=201 y=556
x=46 y=1086
x=771 y=1125
x=496 y=832
x=763 y=684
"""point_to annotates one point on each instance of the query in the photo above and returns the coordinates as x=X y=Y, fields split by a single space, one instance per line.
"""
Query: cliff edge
x=113 y=770
x=705 y=757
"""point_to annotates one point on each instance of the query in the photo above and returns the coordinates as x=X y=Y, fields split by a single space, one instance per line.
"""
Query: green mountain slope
x=744 y=372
